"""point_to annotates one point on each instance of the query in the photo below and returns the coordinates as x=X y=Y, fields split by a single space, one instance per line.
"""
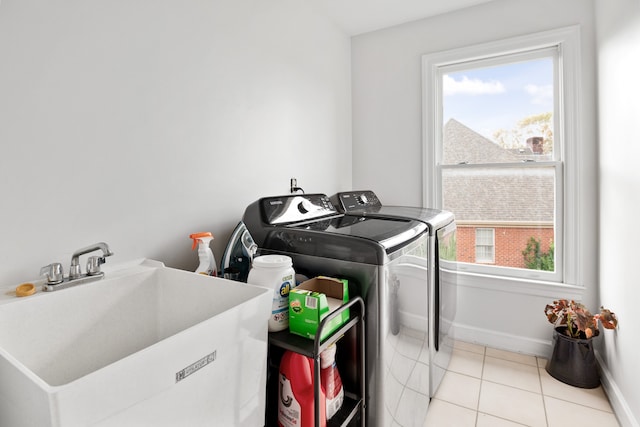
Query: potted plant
x=573 y=359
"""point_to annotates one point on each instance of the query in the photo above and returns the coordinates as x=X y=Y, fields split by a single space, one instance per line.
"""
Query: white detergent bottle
x=275 y=272
x=208 y=264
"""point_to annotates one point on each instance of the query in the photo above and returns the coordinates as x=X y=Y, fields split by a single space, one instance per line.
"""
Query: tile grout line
x=484 y=356
x=503 y=418
x=584 y=405
x=538 y=360
x=544 y=404
x=521 y=389
x=579 y=404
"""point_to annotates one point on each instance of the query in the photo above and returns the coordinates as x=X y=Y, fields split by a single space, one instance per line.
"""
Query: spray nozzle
x=199 y=237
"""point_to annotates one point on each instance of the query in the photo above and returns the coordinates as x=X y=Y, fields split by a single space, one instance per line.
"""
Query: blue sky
x=488 y=99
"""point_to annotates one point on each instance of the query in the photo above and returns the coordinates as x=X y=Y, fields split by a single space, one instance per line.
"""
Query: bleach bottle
x=207 y=265
x=296 y=391
x=331 y=381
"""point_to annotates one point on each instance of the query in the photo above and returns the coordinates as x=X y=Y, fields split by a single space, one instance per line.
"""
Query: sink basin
x=145 y=346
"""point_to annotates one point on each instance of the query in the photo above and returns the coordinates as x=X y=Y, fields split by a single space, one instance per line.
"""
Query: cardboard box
x=312 y=301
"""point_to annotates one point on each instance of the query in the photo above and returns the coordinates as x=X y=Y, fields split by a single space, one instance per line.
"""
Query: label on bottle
x=288 y=406
x=280 y=305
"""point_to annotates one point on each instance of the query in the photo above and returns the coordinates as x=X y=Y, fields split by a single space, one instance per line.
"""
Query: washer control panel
x=296 y=208
x=357 y=201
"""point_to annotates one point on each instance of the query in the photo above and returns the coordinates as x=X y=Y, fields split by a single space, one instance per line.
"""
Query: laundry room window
x=499 y=122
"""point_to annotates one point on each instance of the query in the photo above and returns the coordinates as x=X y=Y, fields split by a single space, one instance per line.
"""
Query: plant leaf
x=609 y=320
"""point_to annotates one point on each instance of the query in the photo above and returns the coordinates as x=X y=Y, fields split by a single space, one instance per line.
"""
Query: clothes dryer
x=440 y=275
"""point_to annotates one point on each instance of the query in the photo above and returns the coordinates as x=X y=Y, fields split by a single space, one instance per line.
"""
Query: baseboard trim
x=617 y=400
x=502 y=341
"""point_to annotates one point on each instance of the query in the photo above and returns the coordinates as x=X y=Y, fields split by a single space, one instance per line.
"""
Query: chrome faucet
x=55 y=276
x=93 y=264
x=54 y=273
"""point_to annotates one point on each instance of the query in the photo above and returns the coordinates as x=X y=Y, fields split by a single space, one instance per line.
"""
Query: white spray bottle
x=207 y=265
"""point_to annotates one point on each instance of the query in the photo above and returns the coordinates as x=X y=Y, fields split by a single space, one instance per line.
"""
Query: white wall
x=387 y=149
x=138 y=123
x=619 y=133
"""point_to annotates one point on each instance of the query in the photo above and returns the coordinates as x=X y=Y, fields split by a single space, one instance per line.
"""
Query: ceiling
x=361 y=16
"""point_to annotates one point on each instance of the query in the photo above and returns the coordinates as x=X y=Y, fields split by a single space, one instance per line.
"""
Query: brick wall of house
x=509 y=243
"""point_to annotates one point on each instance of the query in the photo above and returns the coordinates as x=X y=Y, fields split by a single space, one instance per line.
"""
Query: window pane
x=517 y=203
x=485 y=245
x=499 y=114
x=484 y=236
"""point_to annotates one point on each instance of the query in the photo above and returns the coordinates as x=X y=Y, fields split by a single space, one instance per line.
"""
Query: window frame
x=566 y=138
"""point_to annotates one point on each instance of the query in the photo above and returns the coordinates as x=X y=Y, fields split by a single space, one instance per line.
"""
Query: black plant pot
x=573 y=361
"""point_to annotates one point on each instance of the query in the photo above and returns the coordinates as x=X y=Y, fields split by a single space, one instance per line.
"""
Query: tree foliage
x=535 y=259
x=534 y=125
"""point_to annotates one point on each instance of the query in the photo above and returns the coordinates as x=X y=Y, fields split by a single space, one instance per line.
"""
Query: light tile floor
x=485 y=387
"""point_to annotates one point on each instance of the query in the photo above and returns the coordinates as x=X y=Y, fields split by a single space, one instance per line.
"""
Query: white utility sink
x=145 y=346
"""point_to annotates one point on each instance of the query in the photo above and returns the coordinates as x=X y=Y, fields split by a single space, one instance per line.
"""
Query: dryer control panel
x=357 y=201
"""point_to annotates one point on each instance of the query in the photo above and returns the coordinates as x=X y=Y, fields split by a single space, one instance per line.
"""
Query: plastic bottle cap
x=25 y=290
x=272 y=261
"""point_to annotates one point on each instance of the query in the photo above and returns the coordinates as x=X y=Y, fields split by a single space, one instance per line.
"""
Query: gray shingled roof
x=462 y=144
x=490 y=194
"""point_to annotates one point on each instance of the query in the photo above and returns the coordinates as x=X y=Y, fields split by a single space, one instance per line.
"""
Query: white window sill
x=519 y=285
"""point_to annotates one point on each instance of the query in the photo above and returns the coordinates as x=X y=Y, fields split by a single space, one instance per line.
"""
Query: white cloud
x=540 y=95
x=468 y=86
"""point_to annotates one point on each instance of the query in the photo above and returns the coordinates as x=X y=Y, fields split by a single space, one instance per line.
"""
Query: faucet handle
x=53 y=272
x=74 y=271
x=93 y=265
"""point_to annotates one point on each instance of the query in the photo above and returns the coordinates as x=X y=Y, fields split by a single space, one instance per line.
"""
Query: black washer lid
x=366 y=203
x=278 y=224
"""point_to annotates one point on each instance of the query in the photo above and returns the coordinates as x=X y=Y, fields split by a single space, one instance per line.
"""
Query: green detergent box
x=314 y=299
